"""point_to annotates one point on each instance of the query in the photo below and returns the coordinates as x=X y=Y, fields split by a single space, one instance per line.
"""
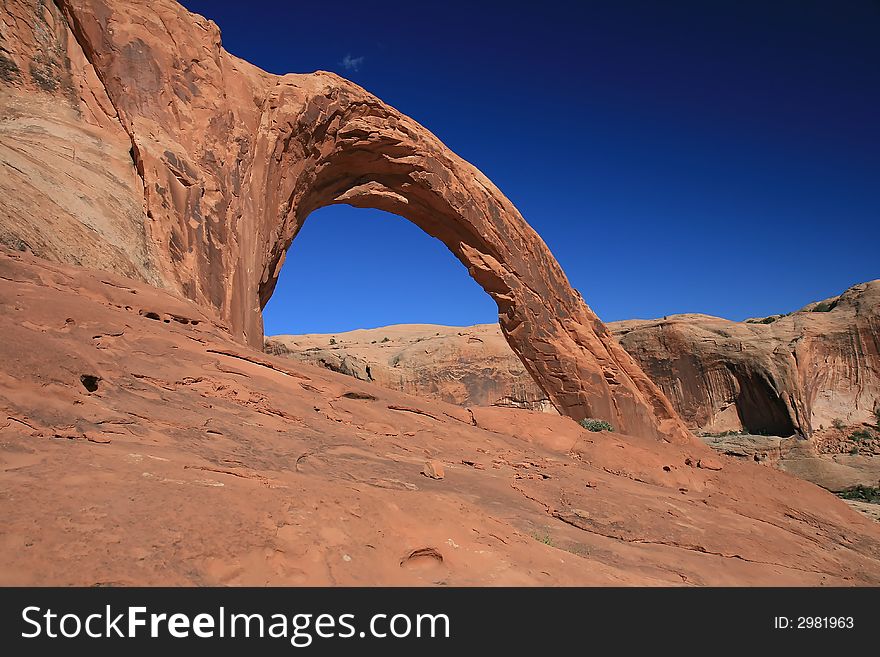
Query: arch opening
x=358 y=268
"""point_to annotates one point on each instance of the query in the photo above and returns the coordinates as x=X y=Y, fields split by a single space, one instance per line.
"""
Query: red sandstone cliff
x=778 y=376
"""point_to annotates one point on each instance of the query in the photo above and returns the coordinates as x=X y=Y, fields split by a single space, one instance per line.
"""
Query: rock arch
x=234 y=159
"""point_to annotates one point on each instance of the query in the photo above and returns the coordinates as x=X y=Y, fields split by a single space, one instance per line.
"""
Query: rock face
x=471 y=366
x=804 y=459
x=141 y=444
x=69 y=190
x=231 y=161
x=794 y=374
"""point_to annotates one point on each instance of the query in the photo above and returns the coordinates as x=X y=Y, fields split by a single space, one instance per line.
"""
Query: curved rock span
x=232 y=160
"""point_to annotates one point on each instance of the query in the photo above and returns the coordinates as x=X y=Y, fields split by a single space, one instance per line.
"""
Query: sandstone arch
x=233 y=160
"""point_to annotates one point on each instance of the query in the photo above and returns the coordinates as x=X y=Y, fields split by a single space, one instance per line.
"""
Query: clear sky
x=716 y=157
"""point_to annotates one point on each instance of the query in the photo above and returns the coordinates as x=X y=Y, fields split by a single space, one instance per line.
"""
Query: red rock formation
x=814 y=370
x=233 y=160
x=140 y=444
x=471 y=366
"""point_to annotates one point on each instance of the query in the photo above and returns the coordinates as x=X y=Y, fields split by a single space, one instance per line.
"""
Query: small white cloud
x=350 y=63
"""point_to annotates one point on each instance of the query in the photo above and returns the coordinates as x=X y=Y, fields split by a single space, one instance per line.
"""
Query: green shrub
x=837 y=423
x=767 y=320
x=591 y=424
x=862 y=494
x=332 y=340
x=861 y=434
x=825 y=306
x=386 y=340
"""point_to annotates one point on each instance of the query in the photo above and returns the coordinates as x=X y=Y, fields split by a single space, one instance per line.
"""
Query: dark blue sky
x=716 y=157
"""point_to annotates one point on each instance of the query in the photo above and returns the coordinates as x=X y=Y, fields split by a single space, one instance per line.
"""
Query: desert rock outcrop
x=145 y=438
x=783 y=375
x=814 y=370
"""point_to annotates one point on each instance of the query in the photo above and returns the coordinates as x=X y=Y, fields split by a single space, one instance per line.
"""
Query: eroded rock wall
x=798 y=373
x=69 y=190
x=814 y=370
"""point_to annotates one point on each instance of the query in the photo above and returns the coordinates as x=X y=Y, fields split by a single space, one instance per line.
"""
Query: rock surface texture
x=141 y=444
x=470 y=366
x=69 y=190
x=230 y=162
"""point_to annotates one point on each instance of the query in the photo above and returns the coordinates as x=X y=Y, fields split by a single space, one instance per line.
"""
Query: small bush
x=545 y=538
x=386 y=340
x=862 y=494
x=591 y=424
x=332 y=340
x=837 y=423
x=861 y=434
x=767 y=320
x=825 y=306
